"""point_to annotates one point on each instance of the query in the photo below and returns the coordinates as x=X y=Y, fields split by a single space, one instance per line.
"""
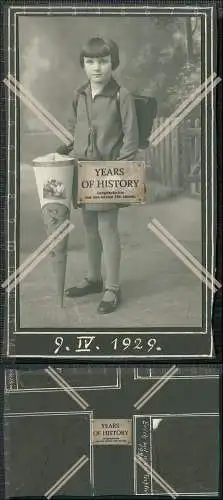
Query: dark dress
x=115 y=126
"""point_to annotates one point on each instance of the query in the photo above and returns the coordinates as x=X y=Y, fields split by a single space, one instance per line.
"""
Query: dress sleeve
x=129 y=126
x=71 y=122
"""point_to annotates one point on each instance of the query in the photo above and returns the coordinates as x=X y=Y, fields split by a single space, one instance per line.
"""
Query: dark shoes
x=85 y=288
x=88 y=287
x=109 y=306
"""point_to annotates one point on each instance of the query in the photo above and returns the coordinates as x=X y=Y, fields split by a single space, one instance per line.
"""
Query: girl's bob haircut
x=98 y=47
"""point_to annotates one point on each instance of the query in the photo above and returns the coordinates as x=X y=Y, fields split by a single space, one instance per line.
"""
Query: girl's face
x=98 y=69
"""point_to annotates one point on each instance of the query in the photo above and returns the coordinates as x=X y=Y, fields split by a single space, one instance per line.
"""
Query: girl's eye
x=100 y=61
x=104 y=61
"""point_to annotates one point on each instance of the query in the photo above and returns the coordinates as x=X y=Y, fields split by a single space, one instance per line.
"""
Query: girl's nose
x=96 y=65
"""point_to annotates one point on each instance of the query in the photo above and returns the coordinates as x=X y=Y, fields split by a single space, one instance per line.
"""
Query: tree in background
x=166 y=62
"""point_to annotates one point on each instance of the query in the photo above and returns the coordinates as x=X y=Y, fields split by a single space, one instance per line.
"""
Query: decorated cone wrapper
x=54 y=180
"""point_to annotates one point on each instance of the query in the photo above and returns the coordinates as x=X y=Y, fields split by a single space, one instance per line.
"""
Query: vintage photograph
x=71 y=426
x=116 y=172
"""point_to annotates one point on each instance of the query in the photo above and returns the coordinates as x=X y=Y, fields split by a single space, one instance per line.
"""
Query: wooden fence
x=176 y=160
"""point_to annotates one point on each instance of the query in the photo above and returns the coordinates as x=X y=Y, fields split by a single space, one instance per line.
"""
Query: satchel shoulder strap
x=76 y=99
x=88 y=112
x=77 y=95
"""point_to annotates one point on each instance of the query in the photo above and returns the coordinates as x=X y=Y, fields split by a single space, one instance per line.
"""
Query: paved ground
x=158 y=289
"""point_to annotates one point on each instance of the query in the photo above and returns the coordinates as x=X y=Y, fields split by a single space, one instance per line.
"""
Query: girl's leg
x=93 y=282
x=108 y=225
x=94 y=245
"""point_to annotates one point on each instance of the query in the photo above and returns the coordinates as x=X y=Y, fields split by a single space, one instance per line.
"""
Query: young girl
x=102 y=130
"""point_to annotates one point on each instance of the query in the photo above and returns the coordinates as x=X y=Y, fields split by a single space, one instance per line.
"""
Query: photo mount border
x=57 y=389
x=94 y=11
x=175 y=377
x=163 y=415
x=9 y=415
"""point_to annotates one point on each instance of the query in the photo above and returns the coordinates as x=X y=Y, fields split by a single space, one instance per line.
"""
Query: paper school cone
x=59 y=268
x=54 y=215
x=54 y=180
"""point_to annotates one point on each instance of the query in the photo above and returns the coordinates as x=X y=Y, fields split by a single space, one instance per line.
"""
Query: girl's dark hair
x=98 y=47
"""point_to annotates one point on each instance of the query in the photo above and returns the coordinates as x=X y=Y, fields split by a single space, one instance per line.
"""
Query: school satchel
x=146 y=111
